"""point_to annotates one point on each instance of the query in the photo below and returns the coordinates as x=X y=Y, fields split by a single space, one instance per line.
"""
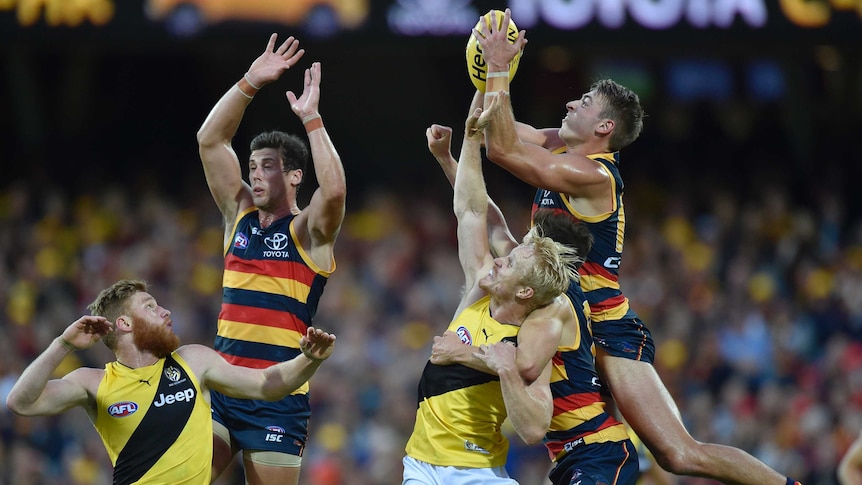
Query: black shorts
x=280 y=426
x=628 y=338
x=597 y=464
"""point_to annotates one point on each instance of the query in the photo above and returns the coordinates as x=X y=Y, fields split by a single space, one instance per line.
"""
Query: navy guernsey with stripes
x=271 y=289
x=600 y=272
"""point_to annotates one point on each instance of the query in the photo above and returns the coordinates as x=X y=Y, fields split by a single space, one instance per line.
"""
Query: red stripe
x=278 y=269
x=262 y=316
x=575 y=401
x=612 y=302
x=591 y=268
x=555 y=447
x=556 y=210
x=247 y=362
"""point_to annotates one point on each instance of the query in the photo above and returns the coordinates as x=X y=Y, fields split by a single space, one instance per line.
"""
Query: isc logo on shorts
x=276 y=434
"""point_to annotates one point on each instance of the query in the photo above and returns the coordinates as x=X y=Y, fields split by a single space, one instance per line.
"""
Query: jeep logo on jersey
x=180 y=396
x=464 y=335
x=122 y=409
x=276 y=242
x=240 y=241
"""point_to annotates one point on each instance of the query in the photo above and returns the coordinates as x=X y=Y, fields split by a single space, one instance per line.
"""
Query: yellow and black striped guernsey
x=461 y=410
x=156 y=425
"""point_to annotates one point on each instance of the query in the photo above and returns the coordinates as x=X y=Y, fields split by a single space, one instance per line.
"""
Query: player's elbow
x=533 y=435
x=530 y=372
x=208 y=139
x=494 y=150
x=16 y=406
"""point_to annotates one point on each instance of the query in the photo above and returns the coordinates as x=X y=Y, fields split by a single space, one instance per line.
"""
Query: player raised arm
x=319 y=223
x=271 y=383
x=220 y=162
x=36 y=394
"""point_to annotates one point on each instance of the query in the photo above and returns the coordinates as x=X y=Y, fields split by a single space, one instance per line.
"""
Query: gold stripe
x=616 y=313
x=267 y=284
x=612 y=434
x=259 y=334
x=576 y=417
x=307 y=257
x=594 y=282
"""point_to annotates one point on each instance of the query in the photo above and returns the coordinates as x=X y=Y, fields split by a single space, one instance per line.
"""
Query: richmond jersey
x=461 y=409
x=155 y=424
x=600 y=272
x=271 y=289
x=579 y=415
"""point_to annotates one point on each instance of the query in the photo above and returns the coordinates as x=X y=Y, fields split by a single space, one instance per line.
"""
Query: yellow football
x=476 y=68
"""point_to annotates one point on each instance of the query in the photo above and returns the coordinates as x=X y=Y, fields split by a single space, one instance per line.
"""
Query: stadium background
x=743 y=251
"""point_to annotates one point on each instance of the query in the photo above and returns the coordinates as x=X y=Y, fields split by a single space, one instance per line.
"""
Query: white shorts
x=420 y=473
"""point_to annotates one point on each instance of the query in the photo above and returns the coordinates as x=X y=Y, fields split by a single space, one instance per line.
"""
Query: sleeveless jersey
x=271 y=289
x=600 y=272
x=579 y=415
x=156 y=426
x=461 y=409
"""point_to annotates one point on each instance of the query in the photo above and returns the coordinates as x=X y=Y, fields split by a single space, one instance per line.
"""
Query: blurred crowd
x=755 y=305
x=750 y=280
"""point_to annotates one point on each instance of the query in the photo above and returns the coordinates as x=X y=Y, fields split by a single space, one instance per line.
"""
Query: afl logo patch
x=240 y=241
x=122 y=409
x=275 y=429
x=464 y=335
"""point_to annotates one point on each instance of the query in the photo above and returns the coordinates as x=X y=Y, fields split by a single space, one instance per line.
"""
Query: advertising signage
x=778 y=21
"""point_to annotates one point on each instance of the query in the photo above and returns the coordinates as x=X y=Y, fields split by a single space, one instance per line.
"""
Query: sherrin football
x=476 y=68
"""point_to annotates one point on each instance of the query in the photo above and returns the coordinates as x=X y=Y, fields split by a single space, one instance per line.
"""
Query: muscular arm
x=569 y=173
x=529 y=405
x=36 y=394
x=220 y=162
x=470 y=204
x=537 y=343
x=319 y=223
x=269 y=384
x=439 y=139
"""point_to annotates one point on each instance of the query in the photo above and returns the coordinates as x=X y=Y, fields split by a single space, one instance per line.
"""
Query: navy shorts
x=598 y=464
x=279 y=426
x=628 y=338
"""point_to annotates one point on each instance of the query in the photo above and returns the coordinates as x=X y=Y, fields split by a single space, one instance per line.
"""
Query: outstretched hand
x=270 y=65
x=306 y=105
x=317 y=344
x=84 y=332
x=479 y=119
x=497 y=51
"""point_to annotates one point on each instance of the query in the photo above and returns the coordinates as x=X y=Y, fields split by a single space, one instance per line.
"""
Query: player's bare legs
x=258 y=474
x=222 y=456
x=649 y=409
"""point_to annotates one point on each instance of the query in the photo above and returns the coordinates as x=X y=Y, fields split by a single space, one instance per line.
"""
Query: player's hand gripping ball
x=476 y=67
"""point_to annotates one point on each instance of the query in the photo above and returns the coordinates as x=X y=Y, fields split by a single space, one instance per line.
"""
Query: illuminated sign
x=769 y=20
x=665 y=14
x=69 y=13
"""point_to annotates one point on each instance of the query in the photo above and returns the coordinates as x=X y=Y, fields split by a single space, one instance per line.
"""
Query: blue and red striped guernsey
x=600 y=272
x=271 y=289
x=579 y=416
